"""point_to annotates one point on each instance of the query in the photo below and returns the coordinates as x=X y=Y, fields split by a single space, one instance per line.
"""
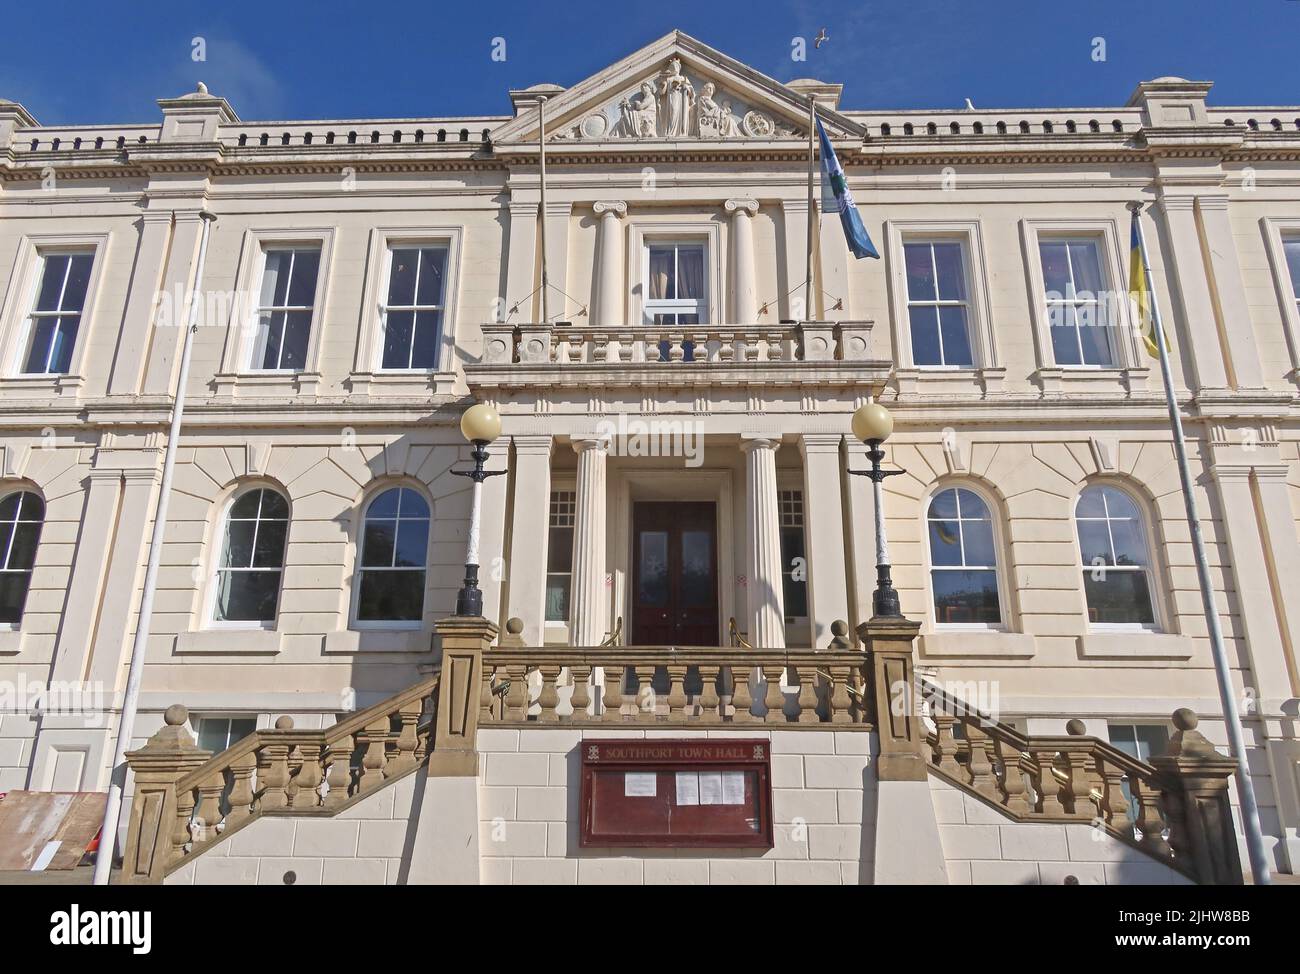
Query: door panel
x=675 y=573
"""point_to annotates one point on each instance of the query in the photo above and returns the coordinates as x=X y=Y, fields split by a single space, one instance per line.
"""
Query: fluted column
x=744 y=287
x=763 y=544
x=609 y=264
x=589 y=612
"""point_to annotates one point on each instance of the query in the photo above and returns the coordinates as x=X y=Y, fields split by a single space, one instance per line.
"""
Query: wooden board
x=29 y=820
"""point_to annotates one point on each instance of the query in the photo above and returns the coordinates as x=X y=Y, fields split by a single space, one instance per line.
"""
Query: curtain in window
x=690 y=272
x=661 y=272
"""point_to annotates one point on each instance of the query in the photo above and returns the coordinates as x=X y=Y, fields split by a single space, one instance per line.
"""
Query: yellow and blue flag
x=1140 y=294
x=833 y=173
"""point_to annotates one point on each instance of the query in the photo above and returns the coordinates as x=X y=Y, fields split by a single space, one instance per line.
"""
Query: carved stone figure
x=715 y=120
x=640 y=114
x=678 y=95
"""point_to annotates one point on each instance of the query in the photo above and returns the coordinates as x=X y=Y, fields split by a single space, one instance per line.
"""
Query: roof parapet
x=1171 y=102
x=195 y=117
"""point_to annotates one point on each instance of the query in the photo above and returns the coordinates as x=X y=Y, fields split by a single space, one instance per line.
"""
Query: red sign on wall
x=676 y=793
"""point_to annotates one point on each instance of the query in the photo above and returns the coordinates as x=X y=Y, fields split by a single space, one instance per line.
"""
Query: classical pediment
x=676 y=89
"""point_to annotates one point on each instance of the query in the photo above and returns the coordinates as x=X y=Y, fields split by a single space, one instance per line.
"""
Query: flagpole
x=541 y=148
x=812 y=209
x=1227 y=696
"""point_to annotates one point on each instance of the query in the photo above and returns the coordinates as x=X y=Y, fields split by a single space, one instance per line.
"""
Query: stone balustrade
x=1183 y=816
x=564 y=686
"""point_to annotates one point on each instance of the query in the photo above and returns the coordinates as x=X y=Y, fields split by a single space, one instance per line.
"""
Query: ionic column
x=744 y=289
x=608 y=312
x=589 y=613
x=763 y=544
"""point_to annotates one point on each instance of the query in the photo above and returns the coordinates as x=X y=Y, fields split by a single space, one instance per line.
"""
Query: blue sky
x=107 y=62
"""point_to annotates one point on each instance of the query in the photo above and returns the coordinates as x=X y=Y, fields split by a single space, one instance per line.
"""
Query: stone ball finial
x=175 y=715
x=514 y=625
x=1076 y=727
x=1185 y=719
x=839 y=628
x=202 y=88
x=284 y=723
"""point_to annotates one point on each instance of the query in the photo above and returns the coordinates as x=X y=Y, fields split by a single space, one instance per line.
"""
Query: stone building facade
x=675 y=412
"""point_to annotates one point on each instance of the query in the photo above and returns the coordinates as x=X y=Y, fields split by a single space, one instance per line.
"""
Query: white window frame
x=648 y=230
x=983 y=342
x=556 y=489
x=999 y=553
x=676 y=306
x=210 y=620
x=20 y=301
x=7 y=490
x=370 y=345
x=415 y=309
x=1154 y=590
x=1276 y=231
x=390 y=625
x=237 y=358
x=791 y=483
x=1106 y=233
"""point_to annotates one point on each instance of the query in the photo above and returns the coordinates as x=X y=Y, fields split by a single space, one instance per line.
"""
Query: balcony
x=822 y=353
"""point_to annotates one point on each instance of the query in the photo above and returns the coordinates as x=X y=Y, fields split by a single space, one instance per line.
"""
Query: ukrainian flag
x=1140 y=293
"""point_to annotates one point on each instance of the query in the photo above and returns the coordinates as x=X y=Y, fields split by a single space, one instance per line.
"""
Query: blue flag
x=833 y=175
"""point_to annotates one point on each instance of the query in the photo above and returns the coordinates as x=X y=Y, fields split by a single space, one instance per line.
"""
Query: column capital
x=559 y=207
x=524 y=208
x=1171 y=202
x=536 y=444
x=597 y=442
x=614 y=208
x=760 y=441
x=741 y=204
x=820 y=442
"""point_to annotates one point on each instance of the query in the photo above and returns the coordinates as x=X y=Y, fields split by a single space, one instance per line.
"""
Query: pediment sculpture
x=675 y=105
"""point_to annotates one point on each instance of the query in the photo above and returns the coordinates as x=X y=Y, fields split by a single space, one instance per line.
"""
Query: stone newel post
x=1193 y=778
x=894 y=698
x=464 y=640
x=155 y=832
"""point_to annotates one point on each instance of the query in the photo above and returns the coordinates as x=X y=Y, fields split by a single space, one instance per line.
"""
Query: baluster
x=309 y=777
x=340 y=772
x=945 y=742
x=626 y=347
x=548 y=698
x=599 y=348
x=1049 y=788
x=710 y=700
x=241 y=791
x=978 y=764
x=1114 y=806
x=1014 y=792
x=727 y=347
x=647 y=703
x=374 y=738
x=652 y=352
x=612 y=698
x=181 y=826
x=209 y=811
x=404 y=757
x=839 y=702
x=676 y=353
x=1150 y=823
x=295 y=765
x=486 y=699
x=676 y=691
x=861 y=708
x=581 y=697
x=807 y=699
x=517 y=696
x=741 y=701
x=1077 y=788
x=273 y=773
x=773 y=697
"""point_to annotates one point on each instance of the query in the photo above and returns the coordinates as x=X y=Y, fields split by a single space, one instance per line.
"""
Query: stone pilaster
x=828 y=588
x=1198 y=337
x=589 y=611
x=521 y=262
x=763 y=544
x=744 y=286
x=1224 y=267
x=795 y=219
x=609 y=311
x=529 y=532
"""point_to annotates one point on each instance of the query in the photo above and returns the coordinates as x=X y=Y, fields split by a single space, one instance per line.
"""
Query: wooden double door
x=674 y=573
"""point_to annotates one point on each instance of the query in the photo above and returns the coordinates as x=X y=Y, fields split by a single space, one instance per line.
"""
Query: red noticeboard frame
x=612 y=818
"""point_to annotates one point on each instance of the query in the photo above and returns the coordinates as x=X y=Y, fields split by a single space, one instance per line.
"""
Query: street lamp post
x=872 y=424
x=480 y=425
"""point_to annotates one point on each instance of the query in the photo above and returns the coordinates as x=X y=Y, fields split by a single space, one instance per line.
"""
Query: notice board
x=676 y=793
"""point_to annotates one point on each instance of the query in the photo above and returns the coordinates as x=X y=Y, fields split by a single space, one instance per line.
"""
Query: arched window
x=252 y=558
x=21 y=517
x=1115 y=561
x=963 y=559
x=394 y=544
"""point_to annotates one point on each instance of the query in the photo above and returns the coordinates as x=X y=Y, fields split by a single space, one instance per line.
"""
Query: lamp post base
x=469 y=600
x=884 y=601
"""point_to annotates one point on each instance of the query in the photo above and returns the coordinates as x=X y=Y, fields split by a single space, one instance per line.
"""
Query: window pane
x=397 y=338
x=1095 y=336
x=56 y=268
x=952 y=275
x=9 y=506
x=1065 y=338
x=385 y=505
x=297 y=331
x=1118 y=503
x=424 y=354
x=966 y=597
x=1090 y=503
x=697 y=568
x=269 y=552
x=64 y=339
x=1118 y=597
x=302 y=289
x=956 y=339
x=412 y=503
x=42 y=338
x=661 y=273
x=690 y=273
x=944 y=504
x=557 y=598
x=13 y=593
x=978 y=539
x=275 y=278
x=1130 y=547
x=22 y=552
x=652 y=587
x=412 y=542
x=379 y=543
x=274 y=505
x=559 y=550
x=247 y=505
x=273 y=331
x=239 y=544
x=796 y=596
x=925 y=335
x=392 y=596
x=1094 y=543
x=1086 y=264
x=920 y=272
x=401 y=278
x=74 y=294
x=247 y=596
x=945 y=543
x=1056 y=268
x=6 y=532
x=433 y=269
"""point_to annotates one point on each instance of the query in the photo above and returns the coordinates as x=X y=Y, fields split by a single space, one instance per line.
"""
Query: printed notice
x=639 y=784
x=710 y=787
x=688 y=788
x=733 y=787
